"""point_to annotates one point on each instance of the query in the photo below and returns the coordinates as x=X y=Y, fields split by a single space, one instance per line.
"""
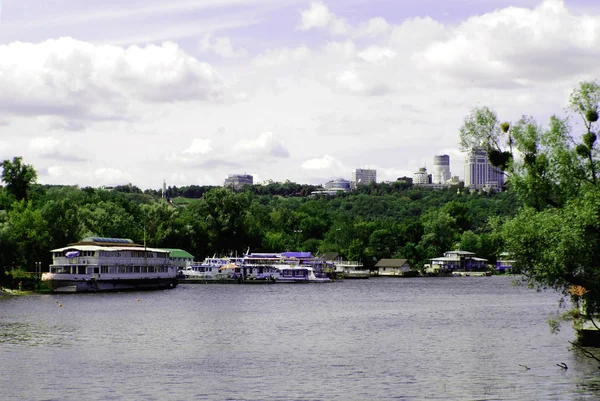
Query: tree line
x=379 y=221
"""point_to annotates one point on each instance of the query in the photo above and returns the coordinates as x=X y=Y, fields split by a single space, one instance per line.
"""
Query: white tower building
x=441 y=169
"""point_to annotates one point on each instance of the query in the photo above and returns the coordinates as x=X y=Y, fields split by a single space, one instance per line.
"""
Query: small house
x=393 y=267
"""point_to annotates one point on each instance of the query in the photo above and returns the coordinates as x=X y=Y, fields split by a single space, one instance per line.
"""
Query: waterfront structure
x=458 y=261
x=237 y=181
x=421 y=177
x=393 y=267
x=109 y=264
x=479 y=172
x=363 y=176
x=441 y=169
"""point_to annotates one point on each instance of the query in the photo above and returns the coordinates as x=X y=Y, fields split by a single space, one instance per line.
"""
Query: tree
x=18 y=177
x=482 y=129
x=555 y=237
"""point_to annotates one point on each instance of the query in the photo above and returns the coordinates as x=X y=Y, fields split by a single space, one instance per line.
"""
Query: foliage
x=555 y=237
x=18 y=177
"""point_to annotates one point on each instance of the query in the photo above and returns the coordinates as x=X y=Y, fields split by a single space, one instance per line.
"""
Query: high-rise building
x=362 y=176
x=479 y=173
x=441 y=169
x=421 y=177
x=237 y=181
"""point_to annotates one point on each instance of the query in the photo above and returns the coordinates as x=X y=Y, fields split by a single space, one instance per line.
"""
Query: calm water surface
x=378 y=339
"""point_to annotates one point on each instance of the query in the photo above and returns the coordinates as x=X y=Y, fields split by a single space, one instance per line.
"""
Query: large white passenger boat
x=109 y=264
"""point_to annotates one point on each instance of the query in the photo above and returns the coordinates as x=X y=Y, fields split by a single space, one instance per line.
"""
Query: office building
x=362 y=176
x=237 y=181
x=479 y=173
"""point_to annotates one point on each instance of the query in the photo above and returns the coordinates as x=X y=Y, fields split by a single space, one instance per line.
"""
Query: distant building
x=441 y=169
x=337 y=185
x=421 y=177
x=405 y=180
x=180 y=258
x=362 y=176
x=479 y=173
x=237 y=181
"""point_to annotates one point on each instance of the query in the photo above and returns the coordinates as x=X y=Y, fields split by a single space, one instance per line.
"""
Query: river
x=469 y=338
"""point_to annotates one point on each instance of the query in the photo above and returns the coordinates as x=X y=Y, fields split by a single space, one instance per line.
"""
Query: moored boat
x=352 y=270
x=109 y=264
x=298 y=274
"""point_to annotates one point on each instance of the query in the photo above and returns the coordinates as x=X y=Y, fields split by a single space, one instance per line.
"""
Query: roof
x=297 y=254
x=82 y=247
x=179 y=253
x=465 y=253
x=392 y=263
x=330 y=256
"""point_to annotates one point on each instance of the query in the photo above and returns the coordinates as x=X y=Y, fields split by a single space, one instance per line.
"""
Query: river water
x=470 y=338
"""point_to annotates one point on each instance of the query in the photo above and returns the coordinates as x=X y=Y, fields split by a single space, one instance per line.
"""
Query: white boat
x=207 y=270
x=298 y=274
x=109 y=264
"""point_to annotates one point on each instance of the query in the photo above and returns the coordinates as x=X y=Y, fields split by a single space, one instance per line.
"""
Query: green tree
x=555 y=237
x=18 y=177
x=481 y=128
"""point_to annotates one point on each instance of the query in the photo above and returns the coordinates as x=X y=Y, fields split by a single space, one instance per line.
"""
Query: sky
x=103 y=93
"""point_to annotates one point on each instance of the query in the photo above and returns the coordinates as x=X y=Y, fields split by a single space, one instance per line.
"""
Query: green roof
x=179 y=253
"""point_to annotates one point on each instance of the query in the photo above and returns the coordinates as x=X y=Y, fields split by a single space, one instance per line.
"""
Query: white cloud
x=221 y=47
x=53 y=148
x=199 y=147
x=327 y=162
x=377 y=54
x=373 y=27
x=265 y=145
x=78 y=80
x=111 y=176
x=318 y=16
x=281 y=56
x=45 y=145
x=517 y=46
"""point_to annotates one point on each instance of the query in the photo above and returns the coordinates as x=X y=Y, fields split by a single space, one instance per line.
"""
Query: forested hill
x=383 y=222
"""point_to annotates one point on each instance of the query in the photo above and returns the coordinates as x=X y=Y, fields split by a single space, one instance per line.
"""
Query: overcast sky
x=128 y=91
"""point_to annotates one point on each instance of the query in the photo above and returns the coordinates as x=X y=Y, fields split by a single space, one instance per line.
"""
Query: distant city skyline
x=105 y=93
